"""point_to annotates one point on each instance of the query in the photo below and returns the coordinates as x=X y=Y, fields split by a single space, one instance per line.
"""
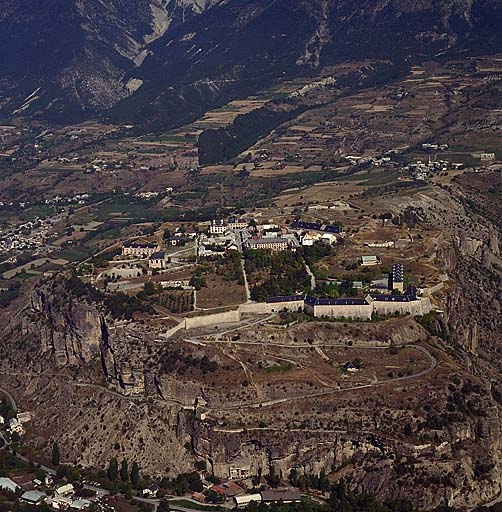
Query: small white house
x=65 y=490
x=2 y=420
x=151 y=491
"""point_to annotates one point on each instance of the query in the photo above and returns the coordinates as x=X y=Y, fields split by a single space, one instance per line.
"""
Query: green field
x=73 y=254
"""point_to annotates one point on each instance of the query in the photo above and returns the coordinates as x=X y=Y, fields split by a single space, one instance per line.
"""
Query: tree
x=163 y=506
x=124 y=471
x=113 y=469
x=56 y=455
x=135 y=474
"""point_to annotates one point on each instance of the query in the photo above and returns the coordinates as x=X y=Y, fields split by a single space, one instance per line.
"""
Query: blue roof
x=391 y=298
x=310 y=301
x=306 y=225
x=333 y=229
x=316 y=226
x=352 y=301
x=158 y=255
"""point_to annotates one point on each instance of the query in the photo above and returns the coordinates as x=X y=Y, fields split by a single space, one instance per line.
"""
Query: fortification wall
x=356 y=312
x=227 y=317
x=415 y=308
x=263 y=307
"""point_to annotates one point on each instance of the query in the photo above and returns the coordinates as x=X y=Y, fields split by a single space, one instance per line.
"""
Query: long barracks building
x=355 y=308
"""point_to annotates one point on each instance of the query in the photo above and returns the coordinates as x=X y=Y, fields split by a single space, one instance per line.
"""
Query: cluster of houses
x=422 y=170
x=233 y=492
x=59 y=498
x=238 y=234
x=16 y=425
x=27 y=236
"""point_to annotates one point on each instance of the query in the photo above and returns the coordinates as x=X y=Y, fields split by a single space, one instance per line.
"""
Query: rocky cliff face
x=73 y=56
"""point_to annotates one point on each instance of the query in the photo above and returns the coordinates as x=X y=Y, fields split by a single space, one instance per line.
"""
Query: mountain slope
x=242 y=45
x=165 y=61
x=77 y=51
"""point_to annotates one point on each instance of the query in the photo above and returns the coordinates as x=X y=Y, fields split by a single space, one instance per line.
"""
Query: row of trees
x=124 y=473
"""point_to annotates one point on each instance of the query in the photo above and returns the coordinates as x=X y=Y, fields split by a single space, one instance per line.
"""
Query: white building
x=80 y=504
x=24 y=417
x=217 y=227
x=140 y=250
x=65 y=490
x=245 y=499
x=61 y=502
x=369 y=261
x=6 y=484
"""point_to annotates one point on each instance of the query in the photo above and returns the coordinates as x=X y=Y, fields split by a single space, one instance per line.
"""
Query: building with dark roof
x=157 y=260
x=354 y=308
x=284 y=496
x=396 y=278
x=317 y=226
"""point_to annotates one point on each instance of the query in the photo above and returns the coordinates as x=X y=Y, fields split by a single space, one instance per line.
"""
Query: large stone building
x=273 y=243
x=140 y=250
x=157 y=260
x=354 y=308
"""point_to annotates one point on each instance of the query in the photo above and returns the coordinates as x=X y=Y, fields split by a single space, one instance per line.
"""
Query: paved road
x=10 y=398
x=313 y=283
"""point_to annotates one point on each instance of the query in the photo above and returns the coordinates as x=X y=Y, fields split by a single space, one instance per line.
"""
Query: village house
x=60 y=502
x=239 y=469
x=350 y=367
x=23 y=417
x=236 y=223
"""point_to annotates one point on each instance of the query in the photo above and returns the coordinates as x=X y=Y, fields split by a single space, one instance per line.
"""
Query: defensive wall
x=226 y=317
x=357 y=311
